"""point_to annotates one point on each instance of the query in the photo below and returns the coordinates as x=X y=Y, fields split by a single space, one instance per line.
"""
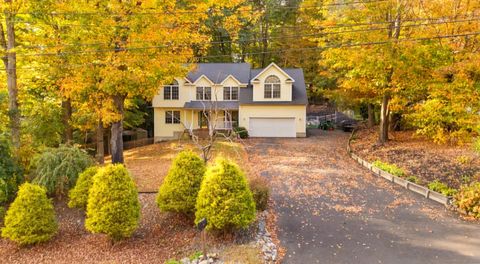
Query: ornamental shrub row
x=220 y=193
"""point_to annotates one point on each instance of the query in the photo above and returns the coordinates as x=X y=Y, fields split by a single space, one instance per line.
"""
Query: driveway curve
x=332 y=210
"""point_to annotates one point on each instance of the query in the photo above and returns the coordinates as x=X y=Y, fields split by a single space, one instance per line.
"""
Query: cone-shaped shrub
x=113 y=207
x=179 y=190
x=31 y=217
x=79 y=194
x=225 y=199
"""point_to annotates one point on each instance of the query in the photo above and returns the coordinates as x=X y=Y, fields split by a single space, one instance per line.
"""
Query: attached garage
x=272 y=127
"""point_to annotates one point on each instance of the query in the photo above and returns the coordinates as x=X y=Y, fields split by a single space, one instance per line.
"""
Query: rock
x=185 y=261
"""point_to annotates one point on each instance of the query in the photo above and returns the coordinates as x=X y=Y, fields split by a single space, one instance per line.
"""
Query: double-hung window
x=170 y=92
x=172 y=117
x=272 y=87
x=204 y=93
x=230 y=93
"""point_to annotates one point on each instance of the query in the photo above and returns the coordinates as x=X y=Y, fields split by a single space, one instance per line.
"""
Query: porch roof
x=204 y=105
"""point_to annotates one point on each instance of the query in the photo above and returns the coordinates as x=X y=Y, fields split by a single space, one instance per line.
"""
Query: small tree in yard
x=31 y=217
x=224 y=198
x=79 y=194
x=58 y=168
x=113 y=207
x=179 y=190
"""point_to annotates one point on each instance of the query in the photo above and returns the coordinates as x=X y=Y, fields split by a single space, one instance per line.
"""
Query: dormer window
x=170 y=92
x=272 y=87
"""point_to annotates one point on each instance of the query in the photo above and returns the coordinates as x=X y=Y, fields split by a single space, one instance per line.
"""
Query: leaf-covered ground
x=150 y=164
x=331 y=210
x=453 y=165
x=160 y=236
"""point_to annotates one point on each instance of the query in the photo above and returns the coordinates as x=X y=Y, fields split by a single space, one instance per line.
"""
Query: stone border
x=425 y=192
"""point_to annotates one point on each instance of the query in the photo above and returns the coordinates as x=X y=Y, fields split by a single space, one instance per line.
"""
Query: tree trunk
x=371 y=115
x=67 y=115
x=10 y=61
x=384 y=113
x=116 y=140
x=100 y=145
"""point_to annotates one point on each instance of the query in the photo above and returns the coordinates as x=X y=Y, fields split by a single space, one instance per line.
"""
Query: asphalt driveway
x=331 y=210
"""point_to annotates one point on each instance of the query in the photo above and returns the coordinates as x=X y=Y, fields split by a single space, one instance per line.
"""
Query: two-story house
x=269 y=102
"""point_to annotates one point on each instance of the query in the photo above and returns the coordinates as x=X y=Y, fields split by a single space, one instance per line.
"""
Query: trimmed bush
x=440 y=187
x=224 y=198
x=260 y=191
x=241 y=132
x=31 y=217
x=58 y=168
x=10 y=173
x=113 y=207
x=79 y=194
x=390 y=168
x=468 y=199
x=179 y=190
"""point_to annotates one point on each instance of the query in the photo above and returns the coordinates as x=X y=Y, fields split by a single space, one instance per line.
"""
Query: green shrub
x=241 y=132
x=113 y=207
x=178 y=192
x=442 y=188
x=476 y=145
x=79 y=194
x=31 y=217
x=413 y=179
x=2 y=215
x=224 y=198
x=260 y=191
x=10 y=173
x=468 y=199
x=58 y=168
x=390 y=168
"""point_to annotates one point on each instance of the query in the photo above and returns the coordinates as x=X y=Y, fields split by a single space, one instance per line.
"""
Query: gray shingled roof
x=217 y=72
x=299 y=96
x=222 y=105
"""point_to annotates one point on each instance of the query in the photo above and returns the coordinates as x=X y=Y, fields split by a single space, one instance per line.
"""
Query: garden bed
x=416 y=156
x=160 y=237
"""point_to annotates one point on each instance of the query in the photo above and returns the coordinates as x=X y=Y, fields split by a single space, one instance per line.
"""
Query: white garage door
x=272 y=127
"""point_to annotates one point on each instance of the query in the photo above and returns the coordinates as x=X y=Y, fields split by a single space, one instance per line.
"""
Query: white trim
x=269 y=66
x=232 y=77
x=205 y=77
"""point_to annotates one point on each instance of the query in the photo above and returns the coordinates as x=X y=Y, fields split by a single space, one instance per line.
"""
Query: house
x=269 y=102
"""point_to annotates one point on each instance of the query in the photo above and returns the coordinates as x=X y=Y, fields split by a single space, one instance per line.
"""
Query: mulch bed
x=453 y=165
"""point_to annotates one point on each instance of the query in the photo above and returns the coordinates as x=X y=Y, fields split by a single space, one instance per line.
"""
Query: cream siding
x=285 y=86
x=274 y=111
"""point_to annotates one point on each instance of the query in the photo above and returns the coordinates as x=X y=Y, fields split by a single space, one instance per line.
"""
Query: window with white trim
x=172 y=117
x=272 y=87
x=170 y=92
x=204 y=93
x=230 y=93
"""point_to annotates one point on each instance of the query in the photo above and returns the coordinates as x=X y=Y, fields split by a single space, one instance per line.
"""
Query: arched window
x=170 y=92
x=272 y=87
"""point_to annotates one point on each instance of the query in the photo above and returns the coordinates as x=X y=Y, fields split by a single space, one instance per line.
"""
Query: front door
x=203 y=119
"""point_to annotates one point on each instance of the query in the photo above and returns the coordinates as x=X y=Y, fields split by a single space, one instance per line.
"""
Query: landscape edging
x=413 y=187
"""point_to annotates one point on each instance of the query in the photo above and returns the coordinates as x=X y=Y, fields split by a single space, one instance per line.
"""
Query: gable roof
x=268 y=67
x=299 y=90
x=218 y=72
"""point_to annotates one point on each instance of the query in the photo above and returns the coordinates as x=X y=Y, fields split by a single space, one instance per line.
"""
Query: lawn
x=150 y=164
